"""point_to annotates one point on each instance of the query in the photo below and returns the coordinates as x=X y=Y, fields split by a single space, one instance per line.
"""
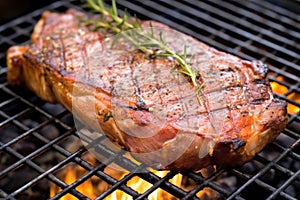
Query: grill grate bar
x=27 y=160
x=9 y=119
x=285 y=185
x=130 y=166
x=261 y=41
x=85 y=177
x=242 y=22
x=291 y=133
x=156 y=185
x=277 y=9
x=251 y=9
x=276 y=166
x=55 y=167
x=207 y=40
x=253 y=24
x=248 y=29
x=89 y=167
x=183 y=19
x=4 y=194
x=167 y=186
x=281 y=148
x=187 y=20
x=26 y=133
x=4 y=103
x=37 y=108
x=264 y=170
x=262 y=184
x=292 y=87
x=38 y=169
x=294 y=118
x=201 y=185
x=101 y=174
x=32 y=155
x=228 y=26
x=119 y=184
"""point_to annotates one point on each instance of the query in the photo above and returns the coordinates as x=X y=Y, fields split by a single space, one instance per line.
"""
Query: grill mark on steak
x=238 y=117
x=84 y=55
x=155 y=71
x=62 y=51
x=140 y=104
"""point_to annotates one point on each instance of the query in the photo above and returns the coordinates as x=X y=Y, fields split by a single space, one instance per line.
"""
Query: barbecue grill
x=38 y=140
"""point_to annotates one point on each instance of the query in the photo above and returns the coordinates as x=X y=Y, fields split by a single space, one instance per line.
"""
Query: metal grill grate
x=35 y=136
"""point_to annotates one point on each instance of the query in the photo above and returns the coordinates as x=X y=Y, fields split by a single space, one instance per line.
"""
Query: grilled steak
x=142 y=103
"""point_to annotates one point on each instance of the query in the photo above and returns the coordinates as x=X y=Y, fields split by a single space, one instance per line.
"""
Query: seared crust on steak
x=142 y=104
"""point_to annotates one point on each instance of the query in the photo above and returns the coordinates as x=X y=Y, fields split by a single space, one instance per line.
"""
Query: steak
x=142 y=103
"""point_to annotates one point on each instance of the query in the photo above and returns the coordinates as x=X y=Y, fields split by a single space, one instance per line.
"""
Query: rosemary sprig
x=143 y=40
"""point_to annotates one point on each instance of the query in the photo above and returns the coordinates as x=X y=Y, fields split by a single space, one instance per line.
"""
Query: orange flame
x=141 y=186
x=73 y=173
x=283 y=90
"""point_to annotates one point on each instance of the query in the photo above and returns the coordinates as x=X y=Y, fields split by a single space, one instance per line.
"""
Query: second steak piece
x=142 y=103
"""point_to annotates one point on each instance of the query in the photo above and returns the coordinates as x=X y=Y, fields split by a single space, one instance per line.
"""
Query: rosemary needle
x=145 y=41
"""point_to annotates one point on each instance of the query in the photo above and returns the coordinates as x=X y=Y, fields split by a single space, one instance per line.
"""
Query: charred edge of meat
x=228 y=148
x=260 y=68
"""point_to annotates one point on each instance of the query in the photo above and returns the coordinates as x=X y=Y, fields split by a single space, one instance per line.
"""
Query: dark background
x=10 y=9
